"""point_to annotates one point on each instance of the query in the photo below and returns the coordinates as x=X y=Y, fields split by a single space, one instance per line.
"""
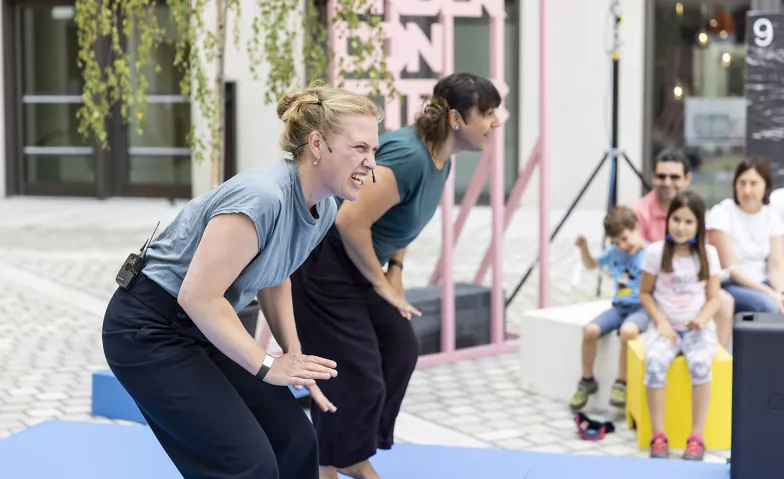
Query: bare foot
x=328 y=472
x=360 y=470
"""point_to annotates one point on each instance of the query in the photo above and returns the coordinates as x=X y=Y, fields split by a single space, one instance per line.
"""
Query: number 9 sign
x=764 y=99
x=763 y=32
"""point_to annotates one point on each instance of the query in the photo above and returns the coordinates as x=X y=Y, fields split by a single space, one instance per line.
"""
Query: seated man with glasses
x=671 y=175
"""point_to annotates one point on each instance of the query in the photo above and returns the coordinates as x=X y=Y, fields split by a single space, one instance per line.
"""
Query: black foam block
x=758 y=397
x=472 y=316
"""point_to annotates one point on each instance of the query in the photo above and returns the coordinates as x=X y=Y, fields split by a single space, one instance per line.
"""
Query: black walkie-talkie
x=133 y=265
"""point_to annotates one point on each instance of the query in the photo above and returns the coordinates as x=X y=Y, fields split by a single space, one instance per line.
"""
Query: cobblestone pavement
x=58 y=258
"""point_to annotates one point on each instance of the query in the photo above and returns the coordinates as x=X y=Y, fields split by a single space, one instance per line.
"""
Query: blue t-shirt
x=627 y=273
x=420 y=186
x=271 y=196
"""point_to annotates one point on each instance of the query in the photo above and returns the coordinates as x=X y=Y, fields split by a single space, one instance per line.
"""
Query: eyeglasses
x=664 y=176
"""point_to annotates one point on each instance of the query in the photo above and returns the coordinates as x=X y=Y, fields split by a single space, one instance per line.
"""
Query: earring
x=317 y=160
x=457 y=127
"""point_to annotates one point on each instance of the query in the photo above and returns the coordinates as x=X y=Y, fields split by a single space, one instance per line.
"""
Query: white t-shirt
x=777 y=202
x=680 y=295
x=750 y=233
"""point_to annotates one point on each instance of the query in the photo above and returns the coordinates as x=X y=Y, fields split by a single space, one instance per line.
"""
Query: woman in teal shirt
x=348 y=308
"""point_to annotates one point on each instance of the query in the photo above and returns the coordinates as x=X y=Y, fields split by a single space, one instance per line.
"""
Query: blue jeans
x=749 y=300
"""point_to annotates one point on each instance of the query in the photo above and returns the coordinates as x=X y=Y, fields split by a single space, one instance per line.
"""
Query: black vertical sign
x=765 y=88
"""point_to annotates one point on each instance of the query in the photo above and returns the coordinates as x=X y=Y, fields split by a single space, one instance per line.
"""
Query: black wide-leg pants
x=341 y=318
x=212 y=417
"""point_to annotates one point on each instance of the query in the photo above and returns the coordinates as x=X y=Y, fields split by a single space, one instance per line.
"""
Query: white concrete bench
x=550 y=352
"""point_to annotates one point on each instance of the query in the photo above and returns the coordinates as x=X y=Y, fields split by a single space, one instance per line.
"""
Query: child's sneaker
x=660 y=448
x=695 y=449
x=618 y=394
x=584 y=390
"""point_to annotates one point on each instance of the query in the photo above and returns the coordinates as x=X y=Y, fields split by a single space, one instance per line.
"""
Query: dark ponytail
x=433 y=125
x=460 y=92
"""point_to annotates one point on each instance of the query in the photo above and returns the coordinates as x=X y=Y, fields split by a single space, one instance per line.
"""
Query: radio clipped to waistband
x=133 y=265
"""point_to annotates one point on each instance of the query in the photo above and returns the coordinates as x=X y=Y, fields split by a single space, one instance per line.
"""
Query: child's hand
x=581 y=242
x=696 y=324
x=665 y=331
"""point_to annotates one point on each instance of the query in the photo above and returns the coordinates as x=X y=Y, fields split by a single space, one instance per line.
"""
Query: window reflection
x=699 y=81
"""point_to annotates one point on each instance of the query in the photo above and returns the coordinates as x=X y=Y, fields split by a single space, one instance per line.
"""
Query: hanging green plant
x=117 y=39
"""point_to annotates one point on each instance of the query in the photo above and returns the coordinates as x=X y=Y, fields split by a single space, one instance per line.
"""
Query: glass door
x=158 y=161
x=49 y=155
x=55 y=158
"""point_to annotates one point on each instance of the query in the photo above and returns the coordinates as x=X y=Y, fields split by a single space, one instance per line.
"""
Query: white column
x=579 y=92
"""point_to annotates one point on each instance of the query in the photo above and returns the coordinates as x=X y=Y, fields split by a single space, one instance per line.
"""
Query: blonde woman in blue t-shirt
x=211 y=395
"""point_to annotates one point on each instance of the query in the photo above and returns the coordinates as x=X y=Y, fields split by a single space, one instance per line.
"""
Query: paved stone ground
x=58 y=258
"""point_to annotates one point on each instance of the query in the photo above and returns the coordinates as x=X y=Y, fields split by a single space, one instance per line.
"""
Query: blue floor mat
x=109 y=398
x=419 y=461
x=75 y=450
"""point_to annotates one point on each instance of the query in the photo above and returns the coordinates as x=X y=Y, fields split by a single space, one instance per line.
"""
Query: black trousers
x=340 y=317
x=212 y=417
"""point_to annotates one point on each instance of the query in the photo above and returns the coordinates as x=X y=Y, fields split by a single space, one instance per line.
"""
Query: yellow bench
x=677 y=413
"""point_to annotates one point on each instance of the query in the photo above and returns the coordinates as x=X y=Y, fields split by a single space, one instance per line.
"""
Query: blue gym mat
x=109 y=398
x=73 y=450
x=76 y=450
x=419 y=461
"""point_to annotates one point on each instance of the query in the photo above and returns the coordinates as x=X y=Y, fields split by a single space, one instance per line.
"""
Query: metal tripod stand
x=612 y=154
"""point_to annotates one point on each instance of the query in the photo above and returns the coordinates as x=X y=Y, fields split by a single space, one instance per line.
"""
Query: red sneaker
x=660 y=448
x=695 y=449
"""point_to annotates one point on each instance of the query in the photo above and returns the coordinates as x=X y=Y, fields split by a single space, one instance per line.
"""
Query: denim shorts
x=613 y=318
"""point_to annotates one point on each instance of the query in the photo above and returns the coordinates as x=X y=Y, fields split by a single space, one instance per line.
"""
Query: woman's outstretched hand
x=300 y=370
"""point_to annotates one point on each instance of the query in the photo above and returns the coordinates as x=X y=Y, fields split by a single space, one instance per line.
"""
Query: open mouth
x=358 y=179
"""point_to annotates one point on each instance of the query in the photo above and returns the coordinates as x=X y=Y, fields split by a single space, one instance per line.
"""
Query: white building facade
x=681 y=63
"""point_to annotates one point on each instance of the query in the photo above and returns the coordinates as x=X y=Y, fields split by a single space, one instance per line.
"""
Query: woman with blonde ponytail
x=348 y=307
x=213 y=397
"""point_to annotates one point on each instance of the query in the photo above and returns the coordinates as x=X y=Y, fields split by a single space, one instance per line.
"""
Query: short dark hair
x=760 y=165
x=618 y=220
x=672 y=155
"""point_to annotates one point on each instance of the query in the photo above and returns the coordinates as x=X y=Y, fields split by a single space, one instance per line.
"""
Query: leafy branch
x=118 y=40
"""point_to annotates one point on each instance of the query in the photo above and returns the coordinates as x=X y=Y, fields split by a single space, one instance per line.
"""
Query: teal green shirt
x=420 y=186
